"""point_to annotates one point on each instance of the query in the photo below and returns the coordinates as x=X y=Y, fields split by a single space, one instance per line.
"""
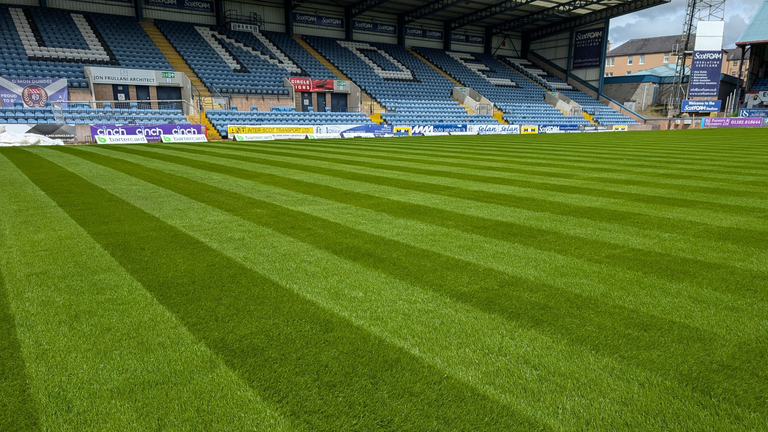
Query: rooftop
x=757 y=30
x=661 y=44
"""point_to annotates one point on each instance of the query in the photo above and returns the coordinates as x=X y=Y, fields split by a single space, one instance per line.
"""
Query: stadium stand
x=410 y=90
x=70 y=40
x=601 y=113
x=518 y=97
x=83 y=113
x=760 y=84
x=282 y=116
x=241 y=62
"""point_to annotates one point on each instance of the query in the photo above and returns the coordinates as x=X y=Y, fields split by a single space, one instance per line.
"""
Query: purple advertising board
x=587 y=48
x=731 y=122
x=150 y=132
x=33 y=92
x=705 y=74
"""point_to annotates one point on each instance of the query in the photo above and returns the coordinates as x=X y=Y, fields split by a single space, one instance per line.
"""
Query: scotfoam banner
x=193 y=5
x=423 y=33
x=150 y=132
x=704 y=81
x=467 y=38
x=545 y=128
x=587 y=48
x=317 y=20
x=701 y=106
x=33 y=92
x=374 y=27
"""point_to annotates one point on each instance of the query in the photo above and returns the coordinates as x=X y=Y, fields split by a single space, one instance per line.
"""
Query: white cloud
x=668 y=19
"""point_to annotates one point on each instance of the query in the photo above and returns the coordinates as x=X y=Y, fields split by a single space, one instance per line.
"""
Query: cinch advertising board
x=151 y=132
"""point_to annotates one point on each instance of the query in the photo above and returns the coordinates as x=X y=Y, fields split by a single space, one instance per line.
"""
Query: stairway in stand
x=179 y=65
x=452 y=79
x=368 y=101
x=173 y=57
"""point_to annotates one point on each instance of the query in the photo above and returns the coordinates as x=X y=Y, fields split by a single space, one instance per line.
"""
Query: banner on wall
x=64 y=132
x=317 y=131
x=431 y=129
x=497 y=129
x=150 y=132
x=374 y=27
x=313 y=85
x=317 y=20
x=104 y=75
x=587 y=48
x=755 y=112
x=467 y=38
x=423 y=33
x=191 y=5
x=558 y=128
x=34 y=92
x=704 y=81
x=731 y=122
x=701 y=106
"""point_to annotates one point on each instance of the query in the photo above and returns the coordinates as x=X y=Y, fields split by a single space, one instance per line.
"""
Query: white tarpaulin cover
x=8 y=139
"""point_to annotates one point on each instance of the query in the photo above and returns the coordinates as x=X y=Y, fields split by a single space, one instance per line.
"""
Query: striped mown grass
x=570 y=282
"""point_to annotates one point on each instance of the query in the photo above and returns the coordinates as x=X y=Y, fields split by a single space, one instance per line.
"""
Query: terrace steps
x=367 y=100
x=452 y=79
x=213 y=134
x=499 y=116
x=525 y=76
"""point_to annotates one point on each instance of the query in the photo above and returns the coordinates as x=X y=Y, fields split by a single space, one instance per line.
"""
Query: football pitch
x=606 y=282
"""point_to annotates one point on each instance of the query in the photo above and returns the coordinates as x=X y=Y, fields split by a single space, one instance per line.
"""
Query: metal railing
x=237 y=16
x=62 y=111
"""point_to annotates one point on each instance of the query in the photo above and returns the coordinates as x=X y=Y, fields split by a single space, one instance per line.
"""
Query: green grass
x=569 y=282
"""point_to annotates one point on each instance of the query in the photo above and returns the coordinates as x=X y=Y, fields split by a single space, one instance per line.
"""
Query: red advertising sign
x=312 y=85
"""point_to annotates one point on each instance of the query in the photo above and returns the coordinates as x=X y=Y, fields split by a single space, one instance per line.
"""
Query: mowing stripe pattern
x=607 y=281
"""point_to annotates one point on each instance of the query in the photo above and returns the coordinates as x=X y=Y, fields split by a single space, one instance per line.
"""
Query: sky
x=668 y=19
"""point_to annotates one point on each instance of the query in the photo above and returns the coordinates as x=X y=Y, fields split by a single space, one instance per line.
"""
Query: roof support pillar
x=288 y=11
x=525 y=45
x=218 y=9
x=570 y=55
x=138 y=9
x=489 y=40
x=401 y=30
x=602 y=58
x=742 y=85
x=348 y=23
x=447 y=32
